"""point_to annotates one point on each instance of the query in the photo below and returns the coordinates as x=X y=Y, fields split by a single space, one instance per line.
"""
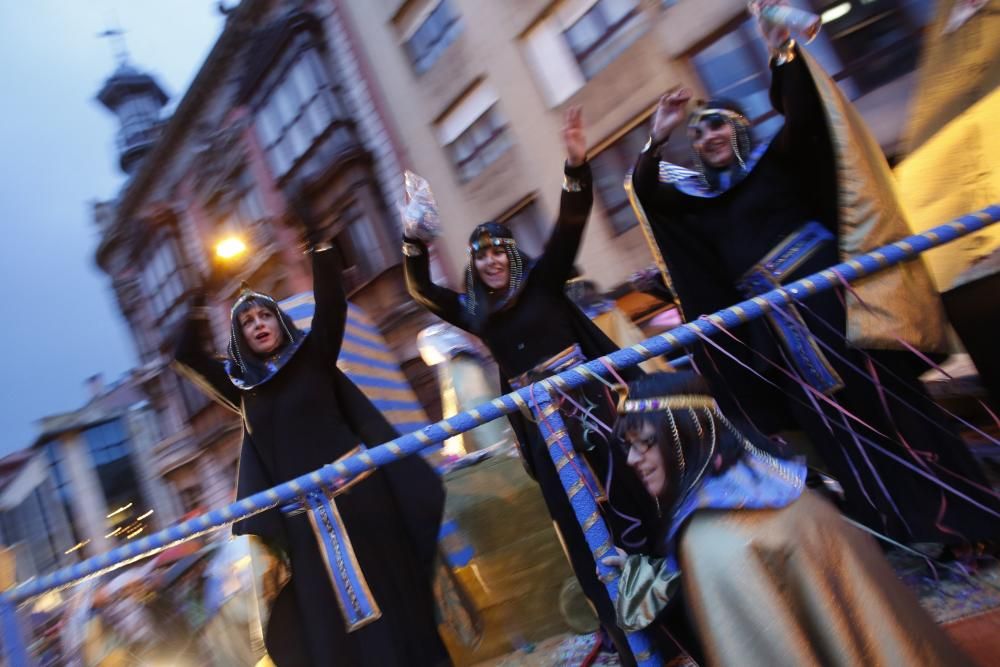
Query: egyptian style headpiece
x=695 y=437
x=485 y=235
x=245 y=368
x=715 y=113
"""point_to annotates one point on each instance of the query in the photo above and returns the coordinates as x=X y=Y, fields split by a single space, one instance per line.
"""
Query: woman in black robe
x=716 y=225
x=525 y=318
x=300 y=412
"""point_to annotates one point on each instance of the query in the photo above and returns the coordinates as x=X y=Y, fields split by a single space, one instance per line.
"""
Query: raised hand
x=312 y=228
x=574 y=137
x=775 y=35
x=615 y=560
x=670 y=113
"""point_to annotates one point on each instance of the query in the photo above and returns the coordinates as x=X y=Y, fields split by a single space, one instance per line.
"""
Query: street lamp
x=230 y=247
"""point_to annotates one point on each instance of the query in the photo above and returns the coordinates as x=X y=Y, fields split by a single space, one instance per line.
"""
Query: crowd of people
x=724 y=553
x=190 y=605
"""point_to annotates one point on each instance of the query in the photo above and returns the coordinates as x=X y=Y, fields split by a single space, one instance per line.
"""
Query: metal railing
x=537 y=395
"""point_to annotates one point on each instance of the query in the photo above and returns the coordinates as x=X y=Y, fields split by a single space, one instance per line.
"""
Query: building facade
x=34 y=526
x=280 y=108
x=87 y=482
x=478 y=91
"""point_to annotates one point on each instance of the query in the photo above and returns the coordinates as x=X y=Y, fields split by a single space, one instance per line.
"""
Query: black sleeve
x=203 y=369
x=441 y=301
x=555 y=266
x=330 y=316
x=794 y=95
x=646 y=176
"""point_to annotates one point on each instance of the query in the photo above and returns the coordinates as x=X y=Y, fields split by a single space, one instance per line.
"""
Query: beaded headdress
x=245 y=370
x=485 y=235
x=730 y=113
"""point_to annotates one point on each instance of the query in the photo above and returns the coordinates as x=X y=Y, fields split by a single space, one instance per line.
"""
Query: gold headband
x=699 y=114
x=658 y=403
x=485 y=240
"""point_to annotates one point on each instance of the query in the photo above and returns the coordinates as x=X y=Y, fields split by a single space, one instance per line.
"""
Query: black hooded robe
x=708 y=243
x=306 y=415
x=534 y=325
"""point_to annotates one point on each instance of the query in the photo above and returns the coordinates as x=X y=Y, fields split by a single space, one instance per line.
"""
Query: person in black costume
x=300 y=412
x=518 y=307
x=716 y=230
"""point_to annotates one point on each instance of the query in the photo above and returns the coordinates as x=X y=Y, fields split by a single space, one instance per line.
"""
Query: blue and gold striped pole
x=669 y=342
x=584 y=505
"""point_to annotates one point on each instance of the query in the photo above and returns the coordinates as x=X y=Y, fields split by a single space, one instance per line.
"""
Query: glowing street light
x=836 y=12
x=230 y=247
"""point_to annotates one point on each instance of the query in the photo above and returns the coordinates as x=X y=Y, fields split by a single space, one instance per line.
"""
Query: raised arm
x=669 y=114
x=793 y=92
x=207 y=372
x=330 y=316
x=441 y=301
x=794 y=95
x=555 y=265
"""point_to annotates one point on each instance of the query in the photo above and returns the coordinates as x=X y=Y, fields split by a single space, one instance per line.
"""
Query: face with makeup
x=261 y=329
x=493 y=266
x=646 y=458
x=712 y=138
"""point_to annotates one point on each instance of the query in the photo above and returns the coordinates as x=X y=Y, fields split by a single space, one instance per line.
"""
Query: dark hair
x=245 y=368
x=260 y=301
x=491 y=228
x=725 y=103
x=476 y=301
x=694 y=437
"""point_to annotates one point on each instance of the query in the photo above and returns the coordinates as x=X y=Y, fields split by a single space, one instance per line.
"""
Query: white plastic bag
x=420 y=215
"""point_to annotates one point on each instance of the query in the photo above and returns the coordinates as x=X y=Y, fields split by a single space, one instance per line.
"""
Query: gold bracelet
x=785 y=53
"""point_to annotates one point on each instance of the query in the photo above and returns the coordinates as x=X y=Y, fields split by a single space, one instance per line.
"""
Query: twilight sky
x=56 y=156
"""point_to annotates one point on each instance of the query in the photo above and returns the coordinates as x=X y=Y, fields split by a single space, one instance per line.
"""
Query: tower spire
x=116 y=36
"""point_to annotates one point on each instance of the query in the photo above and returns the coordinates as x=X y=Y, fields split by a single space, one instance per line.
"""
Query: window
x=602 y=33
x=612 y=163
x=361 y=250
x=876 y=41
x=474 y=133
x=433 y=36
x=480 y=145
x=869 y=45
x=138 y=115
x=240 y=208
x=107 y=442
x=108 y=446
x=736 y=67
x=249 y=208
x=527 y=224
x=191 y=498
x=296 y=110
x=61 y=481
x=162 y=282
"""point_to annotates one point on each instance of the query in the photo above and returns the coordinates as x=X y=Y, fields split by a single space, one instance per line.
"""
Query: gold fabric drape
x=799 y=586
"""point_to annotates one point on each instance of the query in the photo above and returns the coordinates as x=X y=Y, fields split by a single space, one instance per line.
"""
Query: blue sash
x=353 y=595
x=788 y=325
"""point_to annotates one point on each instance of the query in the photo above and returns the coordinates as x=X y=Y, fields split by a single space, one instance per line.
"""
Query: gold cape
x=791 y=587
